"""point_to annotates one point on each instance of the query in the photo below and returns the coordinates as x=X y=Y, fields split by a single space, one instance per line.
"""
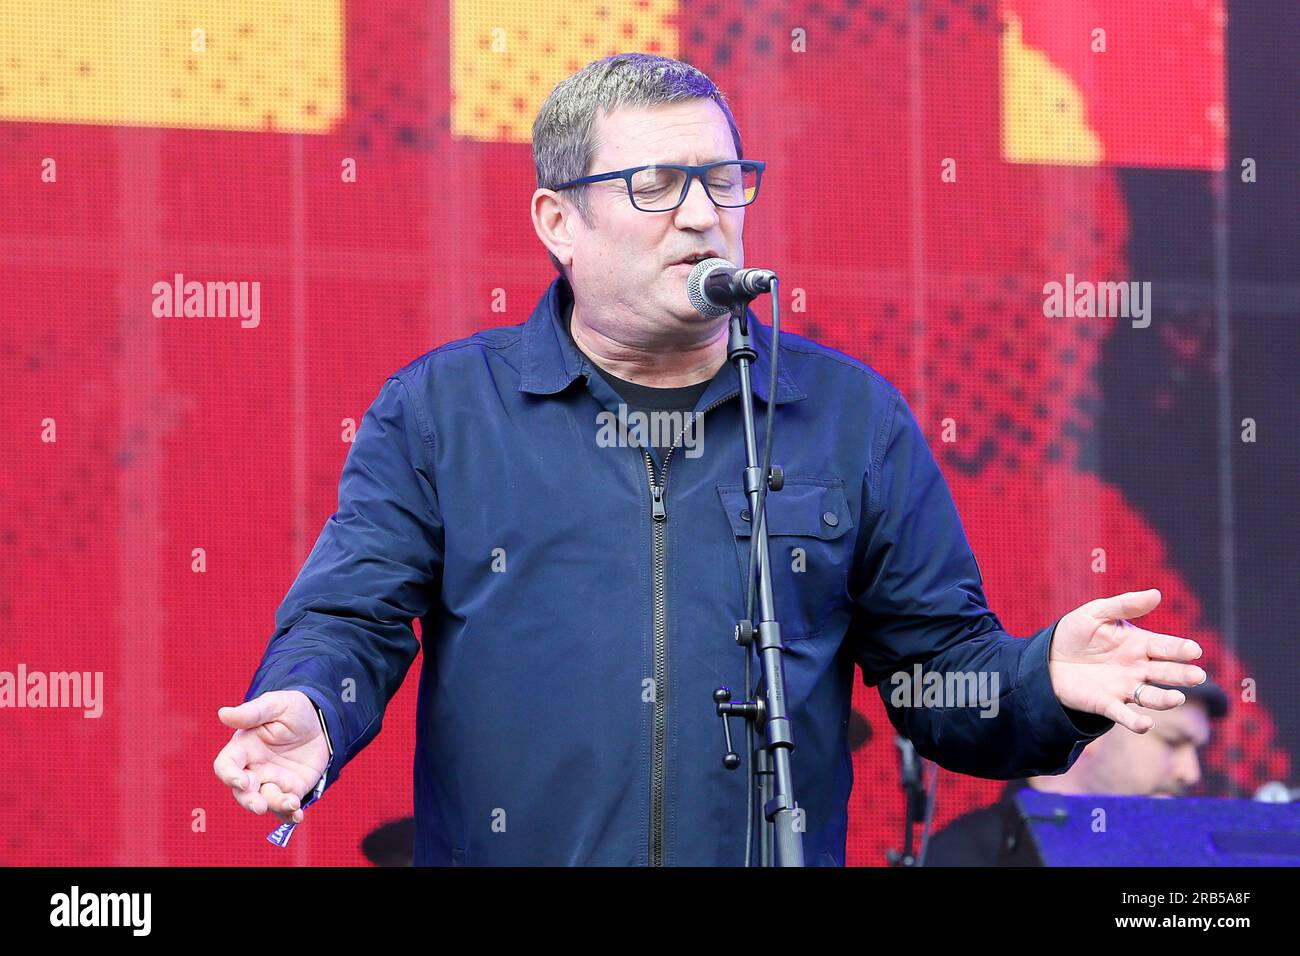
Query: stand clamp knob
x=747 y=709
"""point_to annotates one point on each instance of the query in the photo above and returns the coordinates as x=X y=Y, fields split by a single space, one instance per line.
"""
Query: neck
x=660 y=361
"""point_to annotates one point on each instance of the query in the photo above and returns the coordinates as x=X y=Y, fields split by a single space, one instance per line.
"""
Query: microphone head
x=695 y=285
x=1273 y=792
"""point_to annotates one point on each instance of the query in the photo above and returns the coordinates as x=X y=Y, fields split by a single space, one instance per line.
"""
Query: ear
x=553 y=223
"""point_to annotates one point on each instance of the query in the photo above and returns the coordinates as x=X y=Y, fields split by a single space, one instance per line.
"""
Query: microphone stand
x=770 y=767
x=916 y=802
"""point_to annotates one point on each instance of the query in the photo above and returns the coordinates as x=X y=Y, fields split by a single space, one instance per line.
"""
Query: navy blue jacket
x=573 y=640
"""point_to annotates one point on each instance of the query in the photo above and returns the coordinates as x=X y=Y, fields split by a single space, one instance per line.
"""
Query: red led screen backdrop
x=361 y=173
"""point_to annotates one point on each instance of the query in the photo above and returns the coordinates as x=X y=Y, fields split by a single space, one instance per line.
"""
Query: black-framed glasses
x=729 y=183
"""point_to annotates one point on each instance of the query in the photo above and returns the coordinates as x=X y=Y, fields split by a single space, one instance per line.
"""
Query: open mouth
x=692 y=262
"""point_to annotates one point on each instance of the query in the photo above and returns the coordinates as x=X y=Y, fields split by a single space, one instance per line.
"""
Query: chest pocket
x=808 y=525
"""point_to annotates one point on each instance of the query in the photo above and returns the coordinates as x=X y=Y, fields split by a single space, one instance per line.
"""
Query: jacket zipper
x=659 y=516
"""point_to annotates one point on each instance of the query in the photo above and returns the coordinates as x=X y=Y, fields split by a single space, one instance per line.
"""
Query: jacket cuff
x=1050 y=721
x=333 y=735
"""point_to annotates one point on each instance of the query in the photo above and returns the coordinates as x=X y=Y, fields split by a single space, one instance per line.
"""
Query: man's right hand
x=277 y=754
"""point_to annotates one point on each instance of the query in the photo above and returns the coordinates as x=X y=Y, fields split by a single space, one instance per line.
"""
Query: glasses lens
x=659 y=188
x=656 y=188
x=734 y=184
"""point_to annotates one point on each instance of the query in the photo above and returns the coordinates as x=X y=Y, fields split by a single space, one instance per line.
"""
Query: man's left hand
x=1098 y=659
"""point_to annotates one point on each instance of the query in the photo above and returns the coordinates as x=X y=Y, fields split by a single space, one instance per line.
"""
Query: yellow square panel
x=1044 y=115
x=206 y=64
x=506 y=55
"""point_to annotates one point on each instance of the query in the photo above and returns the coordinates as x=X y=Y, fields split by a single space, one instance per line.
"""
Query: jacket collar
x=551 y=360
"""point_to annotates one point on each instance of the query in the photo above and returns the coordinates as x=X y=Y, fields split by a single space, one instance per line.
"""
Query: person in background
x=1161 y=763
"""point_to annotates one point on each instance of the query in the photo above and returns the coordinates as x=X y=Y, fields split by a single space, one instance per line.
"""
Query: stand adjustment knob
x=752 y=710
x=745 y=633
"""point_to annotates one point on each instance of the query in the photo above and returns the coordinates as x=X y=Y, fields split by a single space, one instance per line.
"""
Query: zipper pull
x=657 y=510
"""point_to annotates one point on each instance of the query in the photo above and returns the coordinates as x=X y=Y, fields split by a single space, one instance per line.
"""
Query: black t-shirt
x=646 y=398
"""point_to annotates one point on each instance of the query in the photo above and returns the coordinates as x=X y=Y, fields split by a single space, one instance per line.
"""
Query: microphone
x=909 y=768
x=714 y=285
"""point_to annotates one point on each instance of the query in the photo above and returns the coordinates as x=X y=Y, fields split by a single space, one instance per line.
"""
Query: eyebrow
x=671 y=162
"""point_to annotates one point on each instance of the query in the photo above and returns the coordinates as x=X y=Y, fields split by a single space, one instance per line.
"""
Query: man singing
x=578 y=597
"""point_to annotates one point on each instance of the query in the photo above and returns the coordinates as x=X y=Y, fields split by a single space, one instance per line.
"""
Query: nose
x=697 y=210
x=1187 y=768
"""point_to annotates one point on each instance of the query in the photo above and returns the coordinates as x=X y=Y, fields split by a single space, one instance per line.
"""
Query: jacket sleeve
x=919 y=600
x=344 y=633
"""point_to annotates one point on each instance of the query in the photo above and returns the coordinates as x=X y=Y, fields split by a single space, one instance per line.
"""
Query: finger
x=230 y=765
x=1170 y=672
x=1130 y=604
x=251 y=713
x=1167 y=647
x=1127 y=717
x=270 y=773
x=251 y=798
x=1160 y=698
x=283 y=805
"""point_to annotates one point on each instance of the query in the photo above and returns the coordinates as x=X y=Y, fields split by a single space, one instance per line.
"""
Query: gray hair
x=564 y=139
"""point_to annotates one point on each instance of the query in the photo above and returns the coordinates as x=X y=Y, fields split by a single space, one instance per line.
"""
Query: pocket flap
x=815 y=507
